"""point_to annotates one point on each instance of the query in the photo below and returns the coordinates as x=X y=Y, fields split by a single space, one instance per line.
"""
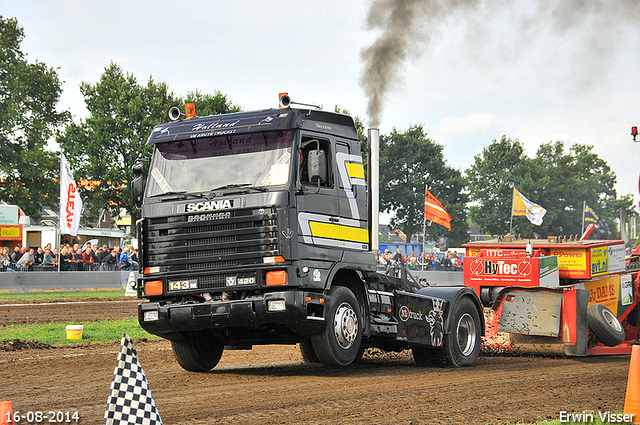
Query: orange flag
x=434 y=211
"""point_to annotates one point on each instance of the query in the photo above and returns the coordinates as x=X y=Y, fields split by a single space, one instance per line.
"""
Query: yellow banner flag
x=522 y=206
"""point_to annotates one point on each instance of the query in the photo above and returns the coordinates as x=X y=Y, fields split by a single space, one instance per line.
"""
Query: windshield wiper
x=230 y=186
x=181 y=194
x=242 y=186
x=171 y=192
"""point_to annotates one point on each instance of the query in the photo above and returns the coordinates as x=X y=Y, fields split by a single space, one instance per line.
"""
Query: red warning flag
x=434 y=211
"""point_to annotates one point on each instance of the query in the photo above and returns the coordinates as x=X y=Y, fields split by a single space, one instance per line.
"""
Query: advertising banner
x=491 y=271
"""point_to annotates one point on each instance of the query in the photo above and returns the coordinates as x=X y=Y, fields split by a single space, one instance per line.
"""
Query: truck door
x=317 y=201
x=352 y=197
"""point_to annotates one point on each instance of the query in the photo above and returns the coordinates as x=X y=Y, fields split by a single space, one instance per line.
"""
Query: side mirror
x=137 y=184
x=136 y=169
x=317 y=166
x=137 y=187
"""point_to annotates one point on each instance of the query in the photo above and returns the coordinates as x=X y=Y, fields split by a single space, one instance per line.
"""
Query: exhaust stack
x=374 y=188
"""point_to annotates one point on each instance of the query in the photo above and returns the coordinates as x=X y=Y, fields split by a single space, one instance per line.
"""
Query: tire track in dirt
x=271 y=385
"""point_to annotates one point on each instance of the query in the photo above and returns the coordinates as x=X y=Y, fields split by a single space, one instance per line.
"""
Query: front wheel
x=339 y=343
x=199 y=353
x=307 y=353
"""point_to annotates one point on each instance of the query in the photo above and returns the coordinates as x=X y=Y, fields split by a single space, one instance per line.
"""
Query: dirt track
x=271 y=385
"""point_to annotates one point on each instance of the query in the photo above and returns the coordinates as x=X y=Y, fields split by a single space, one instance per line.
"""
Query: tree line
x=122 y=112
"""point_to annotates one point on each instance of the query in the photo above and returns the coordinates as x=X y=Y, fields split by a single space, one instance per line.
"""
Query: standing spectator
x=39 y=256
x=78 y=258
x=96 y=254
x=134 y=255
x=382 y=260
x=398 y=257
x=435 y=262
x=108 y=261
x=104 y=252
x=15 y=255
x=25 y=263
x=66 y=260
x=446 y=261
x=89 y=258
x=49 y=261
x=125 y=261
x=5 y=262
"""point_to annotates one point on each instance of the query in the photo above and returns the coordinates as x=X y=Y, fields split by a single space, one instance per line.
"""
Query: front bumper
x=302 y=315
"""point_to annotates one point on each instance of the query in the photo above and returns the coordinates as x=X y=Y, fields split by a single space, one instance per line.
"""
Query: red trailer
x=553 y=296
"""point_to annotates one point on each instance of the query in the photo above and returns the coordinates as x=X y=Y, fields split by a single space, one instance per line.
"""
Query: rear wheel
x=339 y=343
x=461 y=347
x=199 y=353
x=605 y=325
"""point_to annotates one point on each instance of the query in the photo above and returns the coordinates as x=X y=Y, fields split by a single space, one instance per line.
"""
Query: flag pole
x=584 y=206
x=424 y=230
x=513 y=200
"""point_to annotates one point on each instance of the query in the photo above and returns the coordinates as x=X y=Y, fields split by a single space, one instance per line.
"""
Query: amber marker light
x=276 y=277
x=153 y=287
x=273 y=260
x=190 y=110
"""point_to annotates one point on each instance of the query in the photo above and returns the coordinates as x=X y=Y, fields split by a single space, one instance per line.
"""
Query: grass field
x=55 y=295
x=54 y=333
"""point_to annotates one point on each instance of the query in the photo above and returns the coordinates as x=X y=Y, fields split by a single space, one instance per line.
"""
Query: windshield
x=203 y=164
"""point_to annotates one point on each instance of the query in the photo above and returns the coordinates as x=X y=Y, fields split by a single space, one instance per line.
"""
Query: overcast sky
x=470 y=73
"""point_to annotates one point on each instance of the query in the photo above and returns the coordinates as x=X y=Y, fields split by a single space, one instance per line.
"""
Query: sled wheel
x=339 y=343
x=605 y=325
x=199 y=353
x=306 y=350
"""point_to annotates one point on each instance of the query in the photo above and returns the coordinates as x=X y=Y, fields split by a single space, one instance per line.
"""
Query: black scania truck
x=262 y=228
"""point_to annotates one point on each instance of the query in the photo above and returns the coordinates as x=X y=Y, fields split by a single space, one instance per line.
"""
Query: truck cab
x=256 y=229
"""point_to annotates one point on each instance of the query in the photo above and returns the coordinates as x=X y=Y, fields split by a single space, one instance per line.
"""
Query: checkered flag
x=130 y=400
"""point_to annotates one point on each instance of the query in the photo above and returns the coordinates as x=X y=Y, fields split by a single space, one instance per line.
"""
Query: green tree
x=207 y=104
x=560 y=181
x=29 y=93
x=567 y=180
x=105 y=145
x=409 y=162
x=491 y=178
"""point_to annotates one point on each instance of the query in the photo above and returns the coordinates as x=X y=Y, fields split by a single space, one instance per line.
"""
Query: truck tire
x=306 y=350
x=605 y=325
x=199 y=353
x=461 y=347
x=339 y=343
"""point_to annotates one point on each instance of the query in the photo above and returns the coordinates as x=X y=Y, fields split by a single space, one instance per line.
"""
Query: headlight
x=151 y=316
x=276 y=305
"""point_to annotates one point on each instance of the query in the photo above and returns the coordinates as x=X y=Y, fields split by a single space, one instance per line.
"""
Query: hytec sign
x=579 y=260
x=519 y=271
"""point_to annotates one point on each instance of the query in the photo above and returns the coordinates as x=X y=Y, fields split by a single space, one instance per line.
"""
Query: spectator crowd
x=68 y=258
x=450 y=261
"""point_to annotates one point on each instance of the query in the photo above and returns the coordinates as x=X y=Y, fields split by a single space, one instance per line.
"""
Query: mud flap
x=420 y=318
